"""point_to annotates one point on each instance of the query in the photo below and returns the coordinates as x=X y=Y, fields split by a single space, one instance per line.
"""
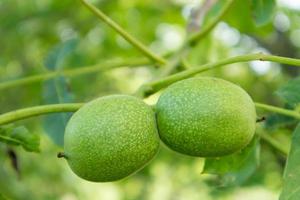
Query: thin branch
x=174 y=61
x=198 y=36
x=73 y=107
x=274 y=143
x=154 y=86
x=194 y=39
x=72 y=72
x=132 y=40
x=38 y=110
x=282 y=111
x=198 y=14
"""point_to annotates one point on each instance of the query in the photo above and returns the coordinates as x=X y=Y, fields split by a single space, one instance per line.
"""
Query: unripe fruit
x=205 y=117
x=110 y=138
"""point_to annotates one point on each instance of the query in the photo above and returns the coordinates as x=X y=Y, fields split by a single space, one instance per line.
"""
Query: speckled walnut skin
x=110 y=138
x=205 y=117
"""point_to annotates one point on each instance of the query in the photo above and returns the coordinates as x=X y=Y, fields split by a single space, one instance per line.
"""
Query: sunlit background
x=30 y=30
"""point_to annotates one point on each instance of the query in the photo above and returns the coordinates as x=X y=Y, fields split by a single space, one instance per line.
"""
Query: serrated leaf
x=291 y=177
x=236 y=168
x=56 y=91
x=20 y=136
x=57 y=55
x=290 y=92
x=263 y=11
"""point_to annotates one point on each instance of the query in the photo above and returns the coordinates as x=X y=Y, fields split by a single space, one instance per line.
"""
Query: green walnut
x=111 y=138
x=205 y=117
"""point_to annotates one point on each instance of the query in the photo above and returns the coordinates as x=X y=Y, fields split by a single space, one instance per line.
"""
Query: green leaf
x=236 y=168
x=240 y=17
x=20 y=136
x=263 y=11
x=290 y=92
x=56 y=91
x=291 y=177
x=55 y=58
x=277 y=120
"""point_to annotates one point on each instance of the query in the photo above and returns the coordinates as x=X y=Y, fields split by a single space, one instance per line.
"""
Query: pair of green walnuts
x=112 y=137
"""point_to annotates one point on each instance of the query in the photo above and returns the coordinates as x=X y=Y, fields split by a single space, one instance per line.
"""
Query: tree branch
x=198 y=14
x=274 y=143
x=193 y=40
x=132 y=40
x=282 y=111
x=72 y=72
x=24 y=113
x=198 y=36
x=154 y=86
x=38 y=110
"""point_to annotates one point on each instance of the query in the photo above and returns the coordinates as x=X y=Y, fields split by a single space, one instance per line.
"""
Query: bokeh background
x=32 y=31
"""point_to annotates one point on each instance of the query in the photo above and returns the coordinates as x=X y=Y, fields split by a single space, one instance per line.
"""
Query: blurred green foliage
x=31 y=33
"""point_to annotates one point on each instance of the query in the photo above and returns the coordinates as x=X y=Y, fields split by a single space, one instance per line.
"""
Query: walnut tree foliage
x=59 y=52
